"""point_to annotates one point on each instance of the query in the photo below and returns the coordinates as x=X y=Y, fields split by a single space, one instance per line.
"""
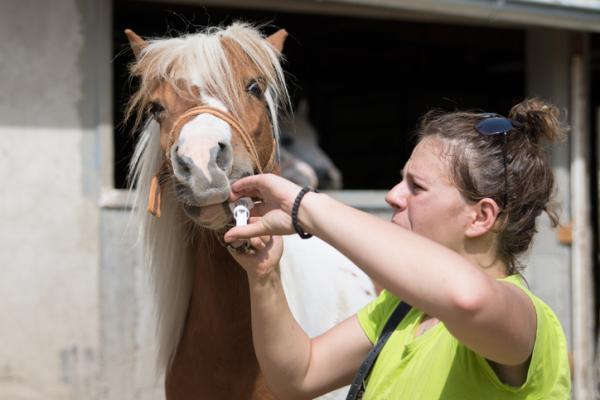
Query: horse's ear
x=136 y=42
x=277 y=39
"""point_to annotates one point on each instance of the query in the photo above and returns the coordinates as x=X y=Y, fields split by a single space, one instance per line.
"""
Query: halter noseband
x=154 y=196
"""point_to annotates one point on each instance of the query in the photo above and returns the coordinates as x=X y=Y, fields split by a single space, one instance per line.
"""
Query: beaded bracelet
x=295 y=209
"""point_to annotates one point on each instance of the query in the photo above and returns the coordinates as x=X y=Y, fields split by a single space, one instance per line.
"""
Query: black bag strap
x=358 y=385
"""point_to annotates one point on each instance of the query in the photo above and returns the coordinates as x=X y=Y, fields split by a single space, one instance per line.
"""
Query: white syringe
x=241 y=213
x=241 y=210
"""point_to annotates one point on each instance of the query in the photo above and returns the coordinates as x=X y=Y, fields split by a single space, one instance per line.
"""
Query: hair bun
x=540 y=120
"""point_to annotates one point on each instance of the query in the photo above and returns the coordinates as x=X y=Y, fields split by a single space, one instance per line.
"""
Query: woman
x=463 y=212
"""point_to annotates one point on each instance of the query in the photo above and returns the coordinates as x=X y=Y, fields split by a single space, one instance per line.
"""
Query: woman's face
x=426 y=201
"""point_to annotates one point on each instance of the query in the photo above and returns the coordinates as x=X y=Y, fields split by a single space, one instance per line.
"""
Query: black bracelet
x=295 y=208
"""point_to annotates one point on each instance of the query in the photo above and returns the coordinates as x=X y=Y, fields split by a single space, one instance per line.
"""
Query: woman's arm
x=295 y=366
x=494 y=319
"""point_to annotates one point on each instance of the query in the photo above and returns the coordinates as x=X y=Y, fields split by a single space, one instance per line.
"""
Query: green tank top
x=436 y=366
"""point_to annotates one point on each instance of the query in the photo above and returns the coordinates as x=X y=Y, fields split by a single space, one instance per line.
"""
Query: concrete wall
x=127 y=339
x=50 y=173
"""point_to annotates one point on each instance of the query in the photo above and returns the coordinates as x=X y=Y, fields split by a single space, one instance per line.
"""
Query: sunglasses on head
x=495 y=124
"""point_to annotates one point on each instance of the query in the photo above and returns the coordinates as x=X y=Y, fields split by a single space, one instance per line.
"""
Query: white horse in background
x=302 y=160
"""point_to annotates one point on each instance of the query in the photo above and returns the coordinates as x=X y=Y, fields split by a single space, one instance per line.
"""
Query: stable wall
x=50 y=164
x=549 y=263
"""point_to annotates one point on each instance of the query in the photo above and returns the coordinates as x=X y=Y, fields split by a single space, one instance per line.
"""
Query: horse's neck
x=220 y=300
x=215 y=356
x=219 y=281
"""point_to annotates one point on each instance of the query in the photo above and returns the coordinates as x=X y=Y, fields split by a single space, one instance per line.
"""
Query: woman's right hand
x=264 y=259
x=272 y=216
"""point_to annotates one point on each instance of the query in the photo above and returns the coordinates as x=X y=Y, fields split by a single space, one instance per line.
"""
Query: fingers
x=260 y=209
x=262 y=186
x=253 y=229
x=263 y=258
x=247 y=187
x=259 y=243
x=269 y=188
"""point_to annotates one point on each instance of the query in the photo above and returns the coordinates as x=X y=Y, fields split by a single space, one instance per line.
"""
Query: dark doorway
x=367 y=81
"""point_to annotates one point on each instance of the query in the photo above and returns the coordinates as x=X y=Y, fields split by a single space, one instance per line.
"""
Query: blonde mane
x=194 y=60
x=198 y=60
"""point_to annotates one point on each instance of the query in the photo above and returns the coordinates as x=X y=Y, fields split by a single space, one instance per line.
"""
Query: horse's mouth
x=215 y=213
x=213 y=216
x=192 y=211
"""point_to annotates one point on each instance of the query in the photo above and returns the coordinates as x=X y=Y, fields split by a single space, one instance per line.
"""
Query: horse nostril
x=183 y=164
x=223 y=156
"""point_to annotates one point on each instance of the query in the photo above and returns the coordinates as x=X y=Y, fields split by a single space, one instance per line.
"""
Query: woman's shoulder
x=549 y=360
x=546 y=318
x=541 y=308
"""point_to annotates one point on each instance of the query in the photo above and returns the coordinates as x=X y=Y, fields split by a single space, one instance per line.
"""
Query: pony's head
x=211 y=99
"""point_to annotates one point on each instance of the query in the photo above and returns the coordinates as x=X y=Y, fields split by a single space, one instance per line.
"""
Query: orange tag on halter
x=154 y=197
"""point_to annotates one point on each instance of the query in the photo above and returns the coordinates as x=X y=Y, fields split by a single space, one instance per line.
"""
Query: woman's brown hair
x=478 y=169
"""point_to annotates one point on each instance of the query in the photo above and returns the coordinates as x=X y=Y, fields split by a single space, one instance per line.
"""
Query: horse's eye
x=155 y=110
x=254 y=89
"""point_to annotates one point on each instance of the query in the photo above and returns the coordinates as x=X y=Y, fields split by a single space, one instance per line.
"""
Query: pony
x=211 y=101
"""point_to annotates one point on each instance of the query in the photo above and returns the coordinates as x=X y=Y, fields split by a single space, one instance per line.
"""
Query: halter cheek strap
x=154 y=196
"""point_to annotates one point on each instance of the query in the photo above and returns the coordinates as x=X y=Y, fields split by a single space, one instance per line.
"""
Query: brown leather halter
x=154 y=196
